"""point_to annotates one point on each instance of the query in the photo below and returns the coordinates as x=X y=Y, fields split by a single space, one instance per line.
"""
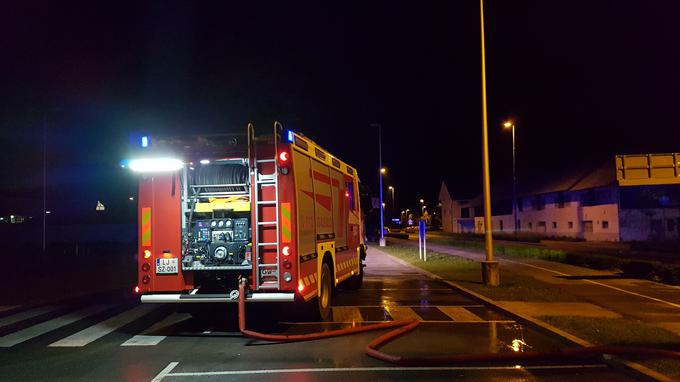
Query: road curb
x=634 y=369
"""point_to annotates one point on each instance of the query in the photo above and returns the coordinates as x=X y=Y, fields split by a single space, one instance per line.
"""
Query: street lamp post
x=511 y=125
x=381 y=173
x=490 y=273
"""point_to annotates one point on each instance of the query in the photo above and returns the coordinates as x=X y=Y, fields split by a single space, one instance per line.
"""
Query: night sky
x=584 y=79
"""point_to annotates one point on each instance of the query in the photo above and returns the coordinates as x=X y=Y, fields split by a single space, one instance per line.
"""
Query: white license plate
x=167 y=266
x=267 y=272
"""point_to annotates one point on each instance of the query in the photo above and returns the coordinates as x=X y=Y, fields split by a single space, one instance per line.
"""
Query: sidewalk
x=601 y=293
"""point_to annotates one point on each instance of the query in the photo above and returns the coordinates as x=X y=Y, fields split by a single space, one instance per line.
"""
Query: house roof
x=575 y=179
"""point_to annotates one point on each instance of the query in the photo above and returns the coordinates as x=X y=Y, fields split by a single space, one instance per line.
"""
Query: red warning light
x=137 y=289
x=283 y=156
x=285 y=250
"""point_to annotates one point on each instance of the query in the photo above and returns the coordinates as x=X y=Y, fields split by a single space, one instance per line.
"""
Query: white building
x=589 y=205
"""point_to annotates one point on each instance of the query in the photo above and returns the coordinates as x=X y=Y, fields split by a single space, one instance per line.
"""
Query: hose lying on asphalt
x=403 y=327
x=305 y=337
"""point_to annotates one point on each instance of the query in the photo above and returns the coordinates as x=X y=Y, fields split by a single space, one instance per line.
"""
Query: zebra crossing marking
x=147 y=337
x=50 y=325
x=399 y=313
x=346 y=314
x=458 y=313
x=27 y=314
x=157 y=332
x=103 y=328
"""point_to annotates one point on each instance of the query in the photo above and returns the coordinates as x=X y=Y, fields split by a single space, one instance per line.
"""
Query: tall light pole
x=490 y=273
x=44 y=190
x=381 y=173
x=511 y=125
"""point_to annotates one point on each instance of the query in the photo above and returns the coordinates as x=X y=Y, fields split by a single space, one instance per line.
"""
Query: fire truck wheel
x=325 y=293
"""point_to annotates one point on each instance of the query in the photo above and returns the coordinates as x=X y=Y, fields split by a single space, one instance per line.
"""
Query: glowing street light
x=383 y=170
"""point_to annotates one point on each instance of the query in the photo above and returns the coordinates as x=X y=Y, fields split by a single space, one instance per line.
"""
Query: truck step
x=266 y=244
x=269 y=285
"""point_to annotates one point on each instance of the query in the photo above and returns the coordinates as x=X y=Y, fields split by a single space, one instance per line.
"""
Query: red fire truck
x=276 y=210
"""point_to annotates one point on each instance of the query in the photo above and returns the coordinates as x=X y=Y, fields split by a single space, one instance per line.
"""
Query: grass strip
x=469 y=274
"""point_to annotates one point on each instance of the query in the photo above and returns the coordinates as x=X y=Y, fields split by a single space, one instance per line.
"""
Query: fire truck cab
x=277 y=210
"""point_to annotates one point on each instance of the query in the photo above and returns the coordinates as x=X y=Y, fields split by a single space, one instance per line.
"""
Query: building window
x=530 y=225
x=605 y=224
x=571 y=225
x=670 y=225
x=554 y=225
x=501 y=224
x=560 y=200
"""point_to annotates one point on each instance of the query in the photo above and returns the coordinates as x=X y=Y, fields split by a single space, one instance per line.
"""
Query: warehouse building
x=591 y=204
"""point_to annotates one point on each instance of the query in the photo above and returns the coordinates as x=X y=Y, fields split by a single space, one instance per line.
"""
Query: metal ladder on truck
x=267 y=273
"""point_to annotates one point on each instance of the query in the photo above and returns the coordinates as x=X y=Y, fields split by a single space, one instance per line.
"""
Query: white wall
x=556 y=220
x=608 y=213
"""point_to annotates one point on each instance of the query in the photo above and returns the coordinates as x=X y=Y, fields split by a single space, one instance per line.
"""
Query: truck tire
x=325 y=293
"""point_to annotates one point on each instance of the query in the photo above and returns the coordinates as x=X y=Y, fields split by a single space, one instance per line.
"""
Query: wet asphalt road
x=117 y=339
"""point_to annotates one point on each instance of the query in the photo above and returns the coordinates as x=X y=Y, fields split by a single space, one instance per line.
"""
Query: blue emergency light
x=289 y=136
x=145 y=141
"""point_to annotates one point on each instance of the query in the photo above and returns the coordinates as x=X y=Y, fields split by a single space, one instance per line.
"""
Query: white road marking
x=597 y=283
x=159 y=377
x=143 y=340
x=147 y=337
x=347 y=313
x=48 y=326
x=172 y=365
x=459 y=314
x=402 y=313
x=25 y=315
x=103 y=328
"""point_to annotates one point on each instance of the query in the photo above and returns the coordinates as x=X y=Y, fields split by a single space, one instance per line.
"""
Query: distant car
x=411 y=229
